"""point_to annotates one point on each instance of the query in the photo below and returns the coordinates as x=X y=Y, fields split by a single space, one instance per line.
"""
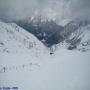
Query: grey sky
x=12 y=9
x=80 y=8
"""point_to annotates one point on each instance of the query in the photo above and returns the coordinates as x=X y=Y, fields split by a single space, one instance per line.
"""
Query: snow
x=82 y=33
x=35 y=69
x=64 y=22
x=17 y=40
x=65 y=70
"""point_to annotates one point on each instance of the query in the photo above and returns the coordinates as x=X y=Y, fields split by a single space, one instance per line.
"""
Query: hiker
x=51 y=50
x=4 y=69
x=23 y=66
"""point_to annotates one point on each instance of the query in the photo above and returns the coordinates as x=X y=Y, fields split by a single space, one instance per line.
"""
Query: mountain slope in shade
x=46 y=31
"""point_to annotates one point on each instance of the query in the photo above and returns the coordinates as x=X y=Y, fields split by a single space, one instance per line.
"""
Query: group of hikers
x=5 y=69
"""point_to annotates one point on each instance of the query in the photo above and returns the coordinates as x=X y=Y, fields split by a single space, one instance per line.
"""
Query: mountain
x=11 y=35
x=25 y=63
x=17 y=47
x=46 y=30
x=76 y=34
x=74 y=25
x=64 y=22
x=51 y=33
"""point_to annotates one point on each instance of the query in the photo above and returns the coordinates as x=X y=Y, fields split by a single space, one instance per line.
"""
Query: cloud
x=58 y=9
x=80 y=8
x=17 y=8
x=12 y=9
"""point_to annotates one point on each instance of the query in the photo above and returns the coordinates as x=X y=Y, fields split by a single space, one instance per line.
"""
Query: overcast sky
x=60 y=9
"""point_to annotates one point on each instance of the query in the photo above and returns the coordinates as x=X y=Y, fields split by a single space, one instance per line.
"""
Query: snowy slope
x=80 y=38
x=65 y=70
x=22 y=67
x=18 y=47
x=15 y=39
x=77 y=35
x=85 y=41
x=64 y=22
